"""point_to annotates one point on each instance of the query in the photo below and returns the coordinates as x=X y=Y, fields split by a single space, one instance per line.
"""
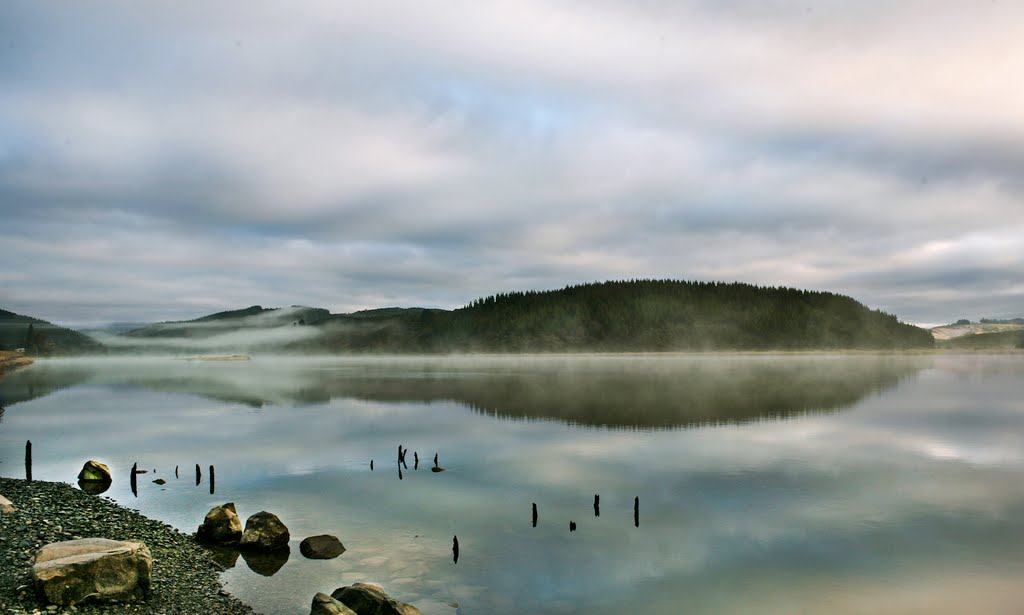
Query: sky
x=165 y=160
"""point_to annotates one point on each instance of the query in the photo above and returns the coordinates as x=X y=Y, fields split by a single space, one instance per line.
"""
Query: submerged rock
x=325 y=605
x=323 y=546
x=264 y=532
x=93 y=569
x=95 y=471
x=221 y=525
x=437 y=469
x=367 y=599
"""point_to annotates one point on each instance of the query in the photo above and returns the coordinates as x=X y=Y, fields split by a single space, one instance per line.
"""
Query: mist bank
x=634 y=391
x=627 y=316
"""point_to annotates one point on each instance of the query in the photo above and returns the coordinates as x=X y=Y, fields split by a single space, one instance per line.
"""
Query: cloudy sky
x=163 y=160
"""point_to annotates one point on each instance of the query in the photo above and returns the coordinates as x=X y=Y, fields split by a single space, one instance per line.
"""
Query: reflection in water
x=225 y=556
x=267 y=563
x=638 y=392
x=94 y=487
x=908 y=502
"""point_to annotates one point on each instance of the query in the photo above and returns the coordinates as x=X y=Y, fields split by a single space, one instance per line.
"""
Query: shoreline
x=185 y=577
x=10 y=361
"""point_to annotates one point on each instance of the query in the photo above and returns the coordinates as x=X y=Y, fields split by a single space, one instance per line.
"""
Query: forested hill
x=39 y=337
x=634 y=316
x=662 y=315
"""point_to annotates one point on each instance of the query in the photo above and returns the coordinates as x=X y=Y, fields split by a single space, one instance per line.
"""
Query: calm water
x=769 y=484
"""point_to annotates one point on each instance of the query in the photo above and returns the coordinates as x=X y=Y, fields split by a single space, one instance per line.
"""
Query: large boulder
x=325 y=605
x=323 y=546
x=93 y=569
x=95 y=471
x=221 y=525
x=367 y=599
x=6 y=506
x=264 y=532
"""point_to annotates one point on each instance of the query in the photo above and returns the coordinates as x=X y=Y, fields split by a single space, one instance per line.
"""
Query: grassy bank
x=185 y=579
x=10 y=361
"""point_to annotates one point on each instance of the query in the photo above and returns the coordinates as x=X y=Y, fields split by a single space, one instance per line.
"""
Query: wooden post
x=212 y=480
x=636 y=511
x=597 y=505
x=199 y=475
x=28 y=460
x=534 y=514
x=135 y=479
x=455 y=549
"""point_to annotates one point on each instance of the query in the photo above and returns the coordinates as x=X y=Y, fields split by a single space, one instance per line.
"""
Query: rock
x=6 y=506
x=160 y=481
x=437 y=469
x=264 y=532
x=93 y=569
x=323 y=546
x=325 y=605
x=367 y=599
x=221 y=525
x=94 y=470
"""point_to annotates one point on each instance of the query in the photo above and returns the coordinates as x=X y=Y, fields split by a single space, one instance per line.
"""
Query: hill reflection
x=645 y=392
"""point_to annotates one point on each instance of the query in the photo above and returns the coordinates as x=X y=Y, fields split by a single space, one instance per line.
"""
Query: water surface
x=766 y=483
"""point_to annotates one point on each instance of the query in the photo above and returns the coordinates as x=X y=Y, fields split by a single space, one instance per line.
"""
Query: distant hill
x=253 y=329
x=255 y=317
x=41 y=338
x=997 y=340
x=633 y=316
x=984 y=334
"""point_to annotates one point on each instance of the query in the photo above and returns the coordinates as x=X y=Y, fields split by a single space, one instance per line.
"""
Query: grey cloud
x=212 y=157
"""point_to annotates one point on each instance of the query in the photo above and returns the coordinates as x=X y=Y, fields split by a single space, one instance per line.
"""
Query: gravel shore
x=185 y=579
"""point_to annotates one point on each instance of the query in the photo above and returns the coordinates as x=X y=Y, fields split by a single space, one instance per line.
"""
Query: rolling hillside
x=42 y=338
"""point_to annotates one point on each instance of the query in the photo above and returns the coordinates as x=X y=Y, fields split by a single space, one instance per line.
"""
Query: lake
x=816 y=483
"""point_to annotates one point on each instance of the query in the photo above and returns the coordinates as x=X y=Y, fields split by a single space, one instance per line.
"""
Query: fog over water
x=775 y=483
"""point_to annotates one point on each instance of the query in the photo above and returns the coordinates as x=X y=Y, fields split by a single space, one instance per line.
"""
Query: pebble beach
x=185 y=579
